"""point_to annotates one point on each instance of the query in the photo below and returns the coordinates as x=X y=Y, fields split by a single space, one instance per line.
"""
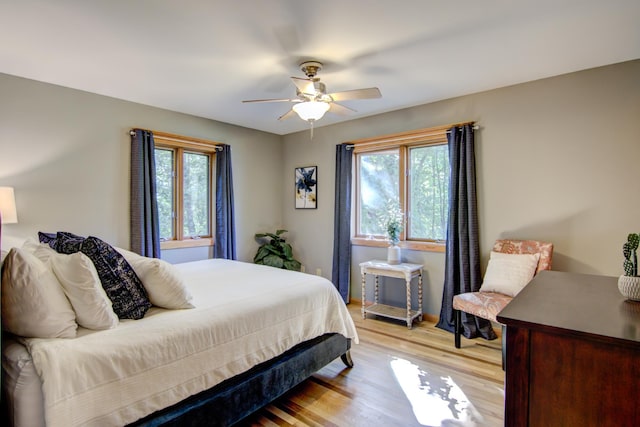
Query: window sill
x=189 y=243
x=413 y=245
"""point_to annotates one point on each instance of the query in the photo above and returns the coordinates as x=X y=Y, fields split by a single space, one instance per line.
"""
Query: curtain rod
x=409 y=137
x=474 y=127
x=184 y=139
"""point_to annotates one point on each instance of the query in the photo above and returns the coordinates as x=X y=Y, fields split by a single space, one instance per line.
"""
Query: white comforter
x=245 y=314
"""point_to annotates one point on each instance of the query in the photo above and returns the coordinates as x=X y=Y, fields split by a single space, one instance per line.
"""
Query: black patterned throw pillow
x=62 y=242
x=123 y=287
x=120 y=282
x=68 y=243
x=48 y=238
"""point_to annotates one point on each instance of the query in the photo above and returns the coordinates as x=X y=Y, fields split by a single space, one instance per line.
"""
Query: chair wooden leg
x=457 y=326
x=504 y=346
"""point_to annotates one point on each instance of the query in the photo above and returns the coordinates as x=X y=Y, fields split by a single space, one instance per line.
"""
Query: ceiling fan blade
x=367 y=93
x=340 y=109
x=286 y=115
x=273 y=100
x=305 y=86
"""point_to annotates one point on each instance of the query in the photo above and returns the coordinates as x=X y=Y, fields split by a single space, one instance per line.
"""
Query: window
x=409 y=171
x=184 y=180
x=378 y=178
x=428 y=192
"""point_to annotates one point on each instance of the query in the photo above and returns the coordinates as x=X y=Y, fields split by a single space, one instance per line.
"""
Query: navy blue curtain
x=225 y=244
x=144 y=224
x=342 y=221
x=462 y=263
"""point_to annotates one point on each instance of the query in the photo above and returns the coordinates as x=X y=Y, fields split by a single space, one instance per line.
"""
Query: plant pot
x=629 y=287
x=393 y=255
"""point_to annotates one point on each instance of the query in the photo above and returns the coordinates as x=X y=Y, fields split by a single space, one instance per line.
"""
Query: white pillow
x=41 y=250
x=163 y=283
x=509 y=273
x=33 y=302
x=81 y=284
x=161 y=280
x=128 y=255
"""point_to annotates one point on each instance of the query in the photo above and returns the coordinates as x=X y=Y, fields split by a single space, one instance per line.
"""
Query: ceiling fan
x=312 y=99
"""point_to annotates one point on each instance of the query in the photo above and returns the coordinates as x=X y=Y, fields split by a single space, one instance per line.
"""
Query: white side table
x=404 y=271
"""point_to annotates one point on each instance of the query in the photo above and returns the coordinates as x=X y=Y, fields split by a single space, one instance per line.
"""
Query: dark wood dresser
x=573 y=353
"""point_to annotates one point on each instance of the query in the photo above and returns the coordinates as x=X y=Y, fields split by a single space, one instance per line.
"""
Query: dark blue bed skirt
x=234 y=399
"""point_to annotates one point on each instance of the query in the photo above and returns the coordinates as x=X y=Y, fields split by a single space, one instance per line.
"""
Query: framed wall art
x=306 y=187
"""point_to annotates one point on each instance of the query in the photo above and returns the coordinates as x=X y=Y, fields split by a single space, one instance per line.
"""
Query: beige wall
x=66 y=152
x=557 y=159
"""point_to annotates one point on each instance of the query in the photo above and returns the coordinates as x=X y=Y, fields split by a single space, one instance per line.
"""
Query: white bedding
x=245 y=314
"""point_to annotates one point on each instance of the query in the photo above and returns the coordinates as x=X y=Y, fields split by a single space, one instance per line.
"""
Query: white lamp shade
x=311 y=110
x=8 y=214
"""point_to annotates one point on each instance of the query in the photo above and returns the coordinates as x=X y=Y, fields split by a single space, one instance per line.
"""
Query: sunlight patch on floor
x=436 y=400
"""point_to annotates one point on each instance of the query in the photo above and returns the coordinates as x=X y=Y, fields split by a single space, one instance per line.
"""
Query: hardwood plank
x=402 y=378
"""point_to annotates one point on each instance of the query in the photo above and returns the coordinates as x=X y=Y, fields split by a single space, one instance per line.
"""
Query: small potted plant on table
x=394 y=226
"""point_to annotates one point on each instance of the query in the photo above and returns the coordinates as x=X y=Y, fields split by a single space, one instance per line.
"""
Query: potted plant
x=275 y=251
x=629 y=283
x=394 y=226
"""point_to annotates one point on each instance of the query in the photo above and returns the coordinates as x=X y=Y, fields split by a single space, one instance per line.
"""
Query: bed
x=254 y=332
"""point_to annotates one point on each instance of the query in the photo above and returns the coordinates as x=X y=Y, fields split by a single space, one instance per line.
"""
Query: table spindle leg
x=364 y=281
x=375 y=295
x=409 y=302
x=420 y=296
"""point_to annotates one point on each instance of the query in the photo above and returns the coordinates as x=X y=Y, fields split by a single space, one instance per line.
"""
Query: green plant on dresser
x=629 y=283
x=629 y=250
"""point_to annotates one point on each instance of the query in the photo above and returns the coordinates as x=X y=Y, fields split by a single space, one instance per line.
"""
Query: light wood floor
x=402 y=378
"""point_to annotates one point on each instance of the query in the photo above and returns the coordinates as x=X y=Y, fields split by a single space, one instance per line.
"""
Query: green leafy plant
x=394 y=223
x=275 y=251
x=629 y=250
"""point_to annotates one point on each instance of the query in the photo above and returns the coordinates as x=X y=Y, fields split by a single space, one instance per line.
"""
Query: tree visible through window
x=184 y=173
x=428 y=192
x=425 y=200
x=410 y=172
x=196 y=206
x=164 y=188
x=379 y=183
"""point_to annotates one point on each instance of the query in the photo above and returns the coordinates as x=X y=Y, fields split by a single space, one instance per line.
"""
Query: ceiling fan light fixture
x=311 y=110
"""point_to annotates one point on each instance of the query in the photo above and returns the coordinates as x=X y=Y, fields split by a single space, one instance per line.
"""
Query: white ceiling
x=205 y=57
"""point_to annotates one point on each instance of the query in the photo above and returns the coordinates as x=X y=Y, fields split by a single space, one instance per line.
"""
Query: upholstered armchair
x=505 y=276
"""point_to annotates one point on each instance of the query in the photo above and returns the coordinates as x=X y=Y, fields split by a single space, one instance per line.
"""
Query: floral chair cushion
x=482 y=304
